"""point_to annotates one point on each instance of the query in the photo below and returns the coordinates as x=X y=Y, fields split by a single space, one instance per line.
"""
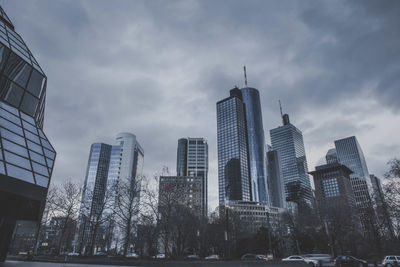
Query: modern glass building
x=256 y=144
x=107 y=165
x=27 y=157
x=192 y=160
x=288 y=141
x=276 y=186
x=233 y=168
x=349 y=153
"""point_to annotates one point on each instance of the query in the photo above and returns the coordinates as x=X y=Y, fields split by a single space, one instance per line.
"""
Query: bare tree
x=392 y=193
x=127 y=208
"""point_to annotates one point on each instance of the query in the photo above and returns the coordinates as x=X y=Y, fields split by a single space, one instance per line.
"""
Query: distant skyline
x=157 y=68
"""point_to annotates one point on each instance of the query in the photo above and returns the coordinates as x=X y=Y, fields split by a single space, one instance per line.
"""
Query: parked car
x=262 y=257
x=132 y=255
x=192 y=257
x=213 y=257
x=322 y=258
x=159 y=256
x=73 y=254
x=100 y=253
x=344 y=261
x=249 y=257
x=299 y=258
x=391 y=261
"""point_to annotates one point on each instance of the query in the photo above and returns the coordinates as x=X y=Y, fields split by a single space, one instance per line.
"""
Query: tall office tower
x=275 y=179
x=107 y=165
x=256 y=145
x=27 y=157
x=233 y=168
x=288 y=141
x=350 y=154
x=331 y=156
x=192 y=160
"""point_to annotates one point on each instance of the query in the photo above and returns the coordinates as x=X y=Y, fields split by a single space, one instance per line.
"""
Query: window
x=330 y=187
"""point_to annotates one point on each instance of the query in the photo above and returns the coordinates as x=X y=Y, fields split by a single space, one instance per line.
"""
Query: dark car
x=344 y=261
x=249 y=257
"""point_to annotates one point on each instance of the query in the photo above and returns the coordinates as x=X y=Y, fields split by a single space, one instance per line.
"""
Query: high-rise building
x=181 y=190
x=233 y=167
x=107 y=165
x=331 y=156
x=275 y=179
x=288 y=141
x=349 y=153
x=27 y=157
x=192 y=160
x=256 y=145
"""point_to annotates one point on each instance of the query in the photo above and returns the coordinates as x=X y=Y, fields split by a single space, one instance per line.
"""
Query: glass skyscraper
x=275 y=179
x=233 y=168
x=256 y=145
x=349 y=153
x=192 y=160
x=107 y=165
x=27 y=157
x=288 y=141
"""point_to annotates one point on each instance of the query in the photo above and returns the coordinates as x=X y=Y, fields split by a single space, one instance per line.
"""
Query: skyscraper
x=107 y=165
x=256 y=145
x=27 y=157
x=233 y=168
x=192 y=160
x=349 y=153
x=288 y=141
x=275 y=180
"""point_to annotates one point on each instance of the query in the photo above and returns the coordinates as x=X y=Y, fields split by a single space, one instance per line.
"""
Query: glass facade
x=288 y=141
x=107 y=165
x=275 y=180
x=256 y=145
x=26 y=153
x=233 y=169
x=192 y=160
x=349 y=153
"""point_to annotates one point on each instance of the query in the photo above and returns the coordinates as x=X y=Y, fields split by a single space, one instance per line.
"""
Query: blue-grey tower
x=288 y=141
x=233 y=168
x=26 y=155
x=256 y=145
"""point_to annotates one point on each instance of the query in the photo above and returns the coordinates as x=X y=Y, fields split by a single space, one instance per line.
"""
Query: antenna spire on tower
x=245 y=76
x=280 y=107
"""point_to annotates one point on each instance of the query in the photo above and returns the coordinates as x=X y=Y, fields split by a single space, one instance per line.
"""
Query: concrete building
x=192 y=160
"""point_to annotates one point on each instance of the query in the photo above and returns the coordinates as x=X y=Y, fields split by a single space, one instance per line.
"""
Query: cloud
x=157 y=69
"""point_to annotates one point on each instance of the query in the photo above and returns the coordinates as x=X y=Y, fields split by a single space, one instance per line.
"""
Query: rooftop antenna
x=245 y=76
x=280 y=107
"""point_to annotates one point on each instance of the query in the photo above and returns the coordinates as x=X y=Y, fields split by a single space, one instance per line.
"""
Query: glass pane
x=19 y=173
x=46 y=144
x=20 y=53
x=3 y=55
x=2 y=170
x=17 y=70
x=36 y=83
x=15 y=148
x=40 y=169
x=41 y=180
x=29 y=127
x=12 y=136
x=9 y=108
x=10 y=126
x=29 y=104
x=28 y=119
x=36 y=157
x=32 y=137
x=13 y=93
x=7 y=115
x=17 y=160
x=49 y=154
x=50 y=163
x=34 y=147
x=41 y=134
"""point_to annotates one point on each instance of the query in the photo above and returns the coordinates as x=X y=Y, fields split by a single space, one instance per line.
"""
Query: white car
x=132 y=255
x=73 y=254
x=391 y=261
x=301 y=258
x=159 y=256
x=214 y=257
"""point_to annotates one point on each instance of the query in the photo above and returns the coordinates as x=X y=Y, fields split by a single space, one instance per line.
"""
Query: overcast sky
x=157 y=69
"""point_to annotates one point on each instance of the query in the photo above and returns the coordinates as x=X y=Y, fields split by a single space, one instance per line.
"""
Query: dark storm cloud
x=157 y=68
